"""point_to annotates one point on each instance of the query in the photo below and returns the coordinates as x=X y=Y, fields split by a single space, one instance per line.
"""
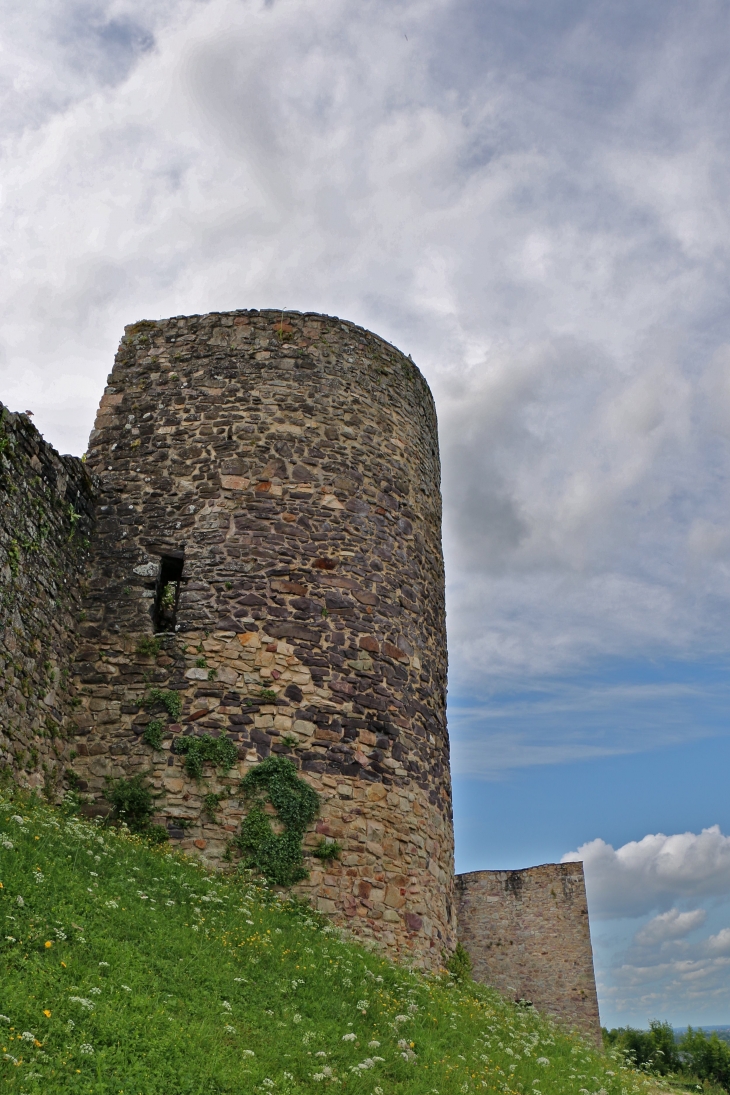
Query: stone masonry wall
x=527 y=934
x=290 y=464
x=46 y=504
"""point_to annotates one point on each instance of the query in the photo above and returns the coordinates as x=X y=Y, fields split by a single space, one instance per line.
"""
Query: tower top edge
x=573 y=865
x=264 y=313
x=274 y=316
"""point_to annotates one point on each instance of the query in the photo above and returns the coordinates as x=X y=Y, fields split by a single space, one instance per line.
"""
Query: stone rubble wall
x=46 y=507
x=293 y=459
x=527 y=934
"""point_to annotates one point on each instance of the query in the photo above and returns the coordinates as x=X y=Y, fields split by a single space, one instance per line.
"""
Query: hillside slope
x=126 y=969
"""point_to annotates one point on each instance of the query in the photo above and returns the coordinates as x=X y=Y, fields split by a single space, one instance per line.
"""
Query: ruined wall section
x=527 y=934
x=293 y=460
x=46 y=505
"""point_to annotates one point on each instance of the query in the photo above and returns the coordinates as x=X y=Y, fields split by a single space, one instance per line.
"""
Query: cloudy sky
x=531 y=199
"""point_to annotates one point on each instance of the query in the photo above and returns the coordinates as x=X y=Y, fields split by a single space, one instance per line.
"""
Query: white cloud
x=670 y=925
x=719 y=944
x=674 y=964
x=654 y=872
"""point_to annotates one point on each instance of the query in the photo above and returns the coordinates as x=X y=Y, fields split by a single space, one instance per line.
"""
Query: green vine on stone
x=327 y=849
x=218 y=751
x=277 y=856
x=211 y=802
x=171 y=701
x=153 y=733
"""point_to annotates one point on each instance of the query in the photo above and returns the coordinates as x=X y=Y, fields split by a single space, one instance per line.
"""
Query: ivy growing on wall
x=171 y=701
x=276 y=855
x=218 y=751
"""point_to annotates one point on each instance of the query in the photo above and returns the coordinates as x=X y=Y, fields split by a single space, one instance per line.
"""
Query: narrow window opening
x=167 y=593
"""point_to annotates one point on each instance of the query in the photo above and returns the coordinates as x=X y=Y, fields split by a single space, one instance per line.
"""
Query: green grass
x=128 y=970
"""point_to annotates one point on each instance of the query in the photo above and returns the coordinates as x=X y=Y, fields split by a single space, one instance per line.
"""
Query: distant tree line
x=694 y=1054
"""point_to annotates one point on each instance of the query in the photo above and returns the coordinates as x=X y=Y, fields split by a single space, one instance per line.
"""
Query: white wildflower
x=248 y=1053
x=226 y=1006
x=104 y=964
x=70 y=1024
x=9 y=938
x=9 y=1057
x=39 y=876
x=229 y=1029
x=111 y=904
x=296 y=1018
x=86 y=1049
x=8 y=844
x=4 y=1019
x=320 y=1053
x=17 y=818
x=378 y=1091
x=94 y=992
x=268 y=1082
x=369 y=1062
x=126 y=988
x=87 y=1004
x=374 y=1044
x=19 y=901
x=27 y=1036
x=400 y=1019
x=93 y=874
x=542 y=1061
x=349 y=1037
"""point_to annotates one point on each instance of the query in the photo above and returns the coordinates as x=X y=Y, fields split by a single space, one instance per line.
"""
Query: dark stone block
x=293 y=631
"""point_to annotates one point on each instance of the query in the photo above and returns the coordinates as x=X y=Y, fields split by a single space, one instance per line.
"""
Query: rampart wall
x=46 y=505
x=527 y=934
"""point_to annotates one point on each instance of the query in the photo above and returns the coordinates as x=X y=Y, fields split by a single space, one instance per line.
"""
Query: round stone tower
x=268 y=554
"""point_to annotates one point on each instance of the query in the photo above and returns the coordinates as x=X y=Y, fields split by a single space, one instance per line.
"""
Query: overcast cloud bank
x=546 y=232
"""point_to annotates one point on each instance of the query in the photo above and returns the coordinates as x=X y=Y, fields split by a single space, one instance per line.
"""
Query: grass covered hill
x=128 y=970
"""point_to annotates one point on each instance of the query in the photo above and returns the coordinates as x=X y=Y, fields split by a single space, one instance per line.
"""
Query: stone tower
x=269 y=508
